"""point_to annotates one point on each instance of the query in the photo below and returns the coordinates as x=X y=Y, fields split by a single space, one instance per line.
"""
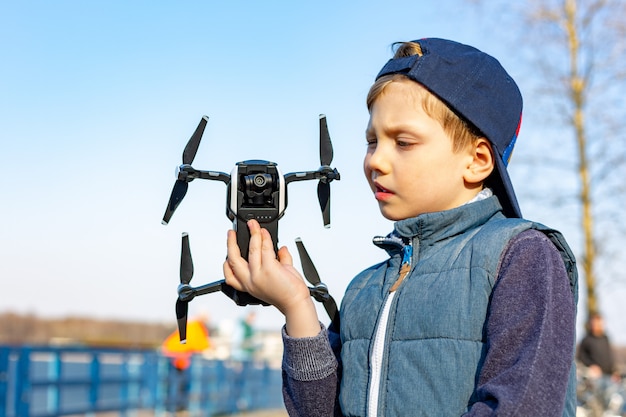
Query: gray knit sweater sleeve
x=310 y=376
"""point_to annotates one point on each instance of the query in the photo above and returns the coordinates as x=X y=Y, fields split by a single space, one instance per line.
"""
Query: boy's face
x=409 y=163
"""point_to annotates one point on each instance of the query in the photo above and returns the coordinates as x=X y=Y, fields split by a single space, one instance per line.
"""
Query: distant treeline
x=30 y=329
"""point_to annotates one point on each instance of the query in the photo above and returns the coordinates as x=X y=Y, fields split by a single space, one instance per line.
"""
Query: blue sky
x=98 y=99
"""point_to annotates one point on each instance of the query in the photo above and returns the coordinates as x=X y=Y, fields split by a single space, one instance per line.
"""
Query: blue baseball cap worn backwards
x=476 y=87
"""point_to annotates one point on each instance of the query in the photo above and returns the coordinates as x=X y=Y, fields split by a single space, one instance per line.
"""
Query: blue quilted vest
x=437 y=316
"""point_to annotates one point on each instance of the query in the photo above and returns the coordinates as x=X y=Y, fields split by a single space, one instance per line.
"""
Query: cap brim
x=501 y=185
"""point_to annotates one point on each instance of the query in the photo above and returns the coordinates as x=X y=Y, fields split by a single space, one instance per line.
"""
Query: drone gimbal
x=256 y=189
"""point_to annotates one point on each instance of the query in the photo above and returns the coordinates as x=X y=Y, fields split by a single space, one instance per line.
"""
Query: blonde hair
x=462 y=132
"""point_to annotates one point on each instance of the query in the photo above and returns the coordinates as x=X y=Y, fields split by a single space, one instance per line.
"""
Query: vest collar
x=433 y=227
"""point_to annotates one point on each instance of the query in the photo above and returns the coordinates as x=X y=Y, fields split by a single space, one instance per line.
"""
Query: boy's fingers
x=267 y=245
x=231 y=244
x=235 y=267
x=254 y=250
x=230 y=278
x=284 y=257
x=233 y=251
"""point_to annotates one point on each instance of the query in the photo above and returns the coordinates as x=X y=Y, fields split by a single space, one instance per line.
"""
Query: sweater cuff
x=308 y=358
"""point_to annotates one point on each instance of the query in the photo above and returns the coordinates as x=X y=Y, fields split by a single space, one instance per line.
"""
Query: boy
x=474 y=311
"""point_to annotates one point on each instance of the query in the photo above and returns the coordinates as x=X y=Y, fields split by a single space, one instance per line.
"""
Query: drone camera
x=258 y=189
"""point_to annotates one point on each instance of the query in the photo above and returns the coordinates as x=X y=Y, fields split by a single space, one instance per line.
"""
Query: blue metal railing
x=51 y=381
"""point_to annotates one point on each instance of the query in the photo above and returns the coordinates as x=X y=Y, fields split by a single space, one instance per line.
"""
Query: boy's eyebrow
x=397 y=128
x=369 y=130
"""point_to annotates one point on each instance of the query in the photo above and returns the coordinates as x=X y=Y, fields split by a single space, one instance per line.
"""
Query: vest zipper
x=407 y=255
x=378 y=350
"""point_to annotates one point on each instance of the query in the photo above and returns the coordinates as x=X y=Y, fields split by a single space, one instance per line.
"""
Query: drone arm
x=320 y=294
x=188 y=173
x=208 y=288
x=214 y=175
x=300 y=176
x=324 y=173
x=186 y=293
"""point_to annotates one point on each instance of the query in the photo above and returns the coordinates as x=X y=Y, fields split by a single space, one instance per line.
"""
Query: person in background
x=248 y=343
x=179 y=381
x=600 y=385
x=595 y=351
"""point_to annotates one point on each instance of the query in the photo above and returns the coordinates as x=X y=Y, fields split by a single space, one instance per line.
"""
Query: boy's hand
x=271 y=279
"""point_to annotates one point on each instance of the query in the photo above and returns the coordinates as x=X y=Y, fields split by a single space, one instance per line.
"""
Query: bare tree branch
x=576 y=51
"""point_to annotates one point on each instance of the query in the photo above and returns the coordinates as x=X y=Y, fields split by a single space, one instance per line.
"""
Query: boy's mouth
x=382 y=193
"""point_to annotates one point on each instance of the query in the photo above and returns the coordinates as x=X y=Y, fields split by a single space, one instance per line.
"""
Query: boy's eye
x=371 y=141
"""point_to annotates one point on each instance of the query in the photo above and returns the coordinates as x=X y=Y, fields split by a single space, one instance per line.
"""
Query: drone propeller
x=326 y=157
x=323 y=195
x=186 y=273
x=189 y=153
x=319 y=290
x=326 y=147
x=183 y=179
x=178 y=193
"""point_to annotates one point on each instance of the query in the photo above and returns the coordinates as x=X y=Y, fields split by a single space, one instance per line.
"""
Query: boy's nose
x=377 y=160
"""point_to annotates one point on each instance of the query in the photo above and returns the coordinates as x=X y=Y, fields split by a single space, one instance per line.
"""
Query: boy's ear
x=482 y=163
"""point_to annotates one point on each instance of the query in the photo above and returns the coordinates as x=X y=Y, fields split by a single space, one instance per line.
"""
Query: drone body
x=256 y=189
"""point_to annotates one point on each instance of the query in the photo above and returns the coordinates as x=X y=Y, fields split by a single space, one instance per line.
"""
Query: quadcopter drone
x=256 y=189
